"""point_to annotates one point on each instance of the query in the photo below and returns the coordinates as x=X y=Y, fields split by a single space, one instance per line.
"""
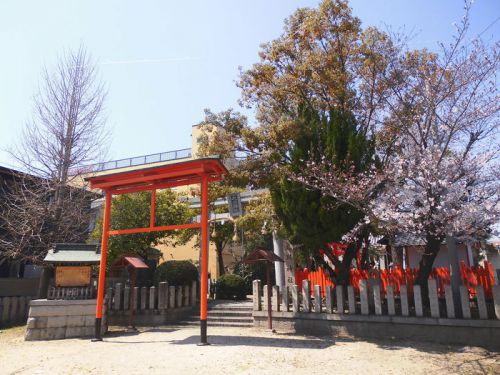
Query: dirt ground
x=173 y=350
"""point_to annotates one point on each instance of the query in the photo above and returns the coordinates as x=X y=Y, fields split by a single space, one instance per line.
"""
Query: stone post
x=162 y=301
x=171 y=297
x=377 y=299
x=126 y=298
x=135 y=291
x=317 y=299
x=363 y=296
x=403 y=294
x=144 y=297
x=417 y=297
x=351 y=297
x=178 y=292
x=329 y=299
x=306 y=295
x=295 y=299
x=339 y=291
x=257 y=297
x=286 y=298
x=496 y=300
x=450 y=304
x=193 y=293
x=433 y=298
x=464 y=301
x=275 y=302
x=185 y=299
x=391 y=309
x=118 y=296
x=152 y=298
x=481 y=302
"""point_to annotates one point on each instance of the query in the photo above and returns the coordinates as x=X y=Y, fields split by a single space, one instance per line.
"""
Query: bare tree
x=46 y=204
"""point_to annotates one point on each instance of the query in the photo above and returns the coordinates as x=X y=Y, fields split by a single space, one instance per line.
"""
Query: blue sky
x=165 y=61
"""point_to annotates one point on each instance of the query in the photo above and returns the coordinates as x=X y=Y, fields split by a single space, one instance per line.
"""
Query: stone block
x=403 y=295
x=329 y=299
x=317 y=299
x=465 y=302
x=377 y=299
x=363 y=297
x=496 y=300
x=306 y=295
x=41 y=321
x=31 y=323
x=74 y=331
x=417 y=298
x=433 y=298
x=89 y=321
x=75 y=321
x=56 y=321
x=32 y=334
x=481 y=302
x=339 y=291
x=257 y=295
x=295 y=298
x=275 y=300
x=391 y=308
x=450 y=305
x=54 y=333
x=351 y=297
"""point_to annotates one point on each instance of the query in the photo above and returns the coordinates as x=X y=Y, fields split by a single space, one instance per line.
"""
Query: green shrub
x=176 y=272
x=230 y=286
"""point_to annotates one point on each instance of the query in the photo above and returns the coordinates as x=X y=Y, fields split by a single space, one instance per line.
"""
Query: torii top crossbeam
x=195 y=171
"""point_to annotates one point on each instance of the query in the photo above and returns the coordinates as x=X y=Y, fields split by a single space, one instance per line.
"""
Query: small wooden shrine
x=73 y=270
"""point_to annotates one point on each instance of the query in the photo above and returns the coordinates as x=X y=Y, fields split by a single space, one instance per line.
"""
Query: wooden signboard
x=73 y=276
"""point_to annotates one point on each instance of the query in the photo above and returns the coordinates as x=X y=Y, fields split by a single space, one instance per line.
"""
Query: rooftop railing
x=134 y=161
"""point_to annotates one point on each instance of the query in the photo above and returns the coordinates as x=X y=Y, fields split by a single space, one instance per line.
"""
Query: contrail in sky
x=147 y=61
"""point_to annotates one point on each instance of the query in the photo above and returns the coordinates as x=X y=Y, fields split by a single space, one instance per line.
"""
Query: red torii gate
x=196 y=171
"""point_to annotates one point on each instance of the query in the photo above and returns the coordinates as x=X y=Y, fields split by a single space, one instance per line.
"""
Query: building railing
x=134 y=161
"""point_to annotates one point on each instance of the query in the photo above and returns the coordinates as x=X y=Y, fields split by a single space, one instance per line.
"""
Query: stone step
x=230 y=308
x=193 y=323
x=229 y=313
x=229 y=319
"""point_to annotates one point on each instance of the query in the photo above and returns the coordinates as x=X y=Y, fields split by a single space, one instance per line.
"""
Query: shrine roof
x=73 y=253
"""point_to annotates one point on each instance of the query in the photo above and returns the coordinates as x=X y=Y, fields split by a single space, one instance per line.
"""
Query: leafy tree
x=133 y=210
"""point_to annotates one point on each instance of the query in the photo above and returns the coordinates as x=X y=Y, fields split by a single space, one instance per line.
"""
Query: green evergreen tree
x=311 y=219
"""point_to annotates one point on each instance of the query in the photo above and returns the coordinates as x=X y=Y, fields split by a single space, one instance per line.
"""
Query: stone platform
x=60 y=319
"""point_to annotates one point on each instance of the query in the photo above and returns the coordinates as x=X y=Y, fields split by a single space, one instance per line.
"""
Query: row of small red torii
x=397 y=276
x=197 y=171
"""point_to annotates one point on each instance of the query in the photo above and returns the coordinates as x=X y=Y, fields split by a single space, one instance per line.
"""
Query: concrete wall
x=60 y=319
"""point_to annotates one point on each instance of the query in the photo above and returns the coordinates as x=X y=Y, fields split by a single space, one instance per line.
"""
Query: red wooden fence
x=471 y=277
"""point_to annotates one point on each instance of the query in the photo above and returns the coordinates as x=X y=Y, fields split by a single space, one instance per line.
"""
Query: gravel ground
x=173 y=350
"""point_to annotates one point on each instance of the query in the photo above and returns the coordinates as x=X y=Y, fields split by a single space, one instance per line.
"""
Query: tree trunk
x=343 y=270
x=220 y=260
x=425 y=266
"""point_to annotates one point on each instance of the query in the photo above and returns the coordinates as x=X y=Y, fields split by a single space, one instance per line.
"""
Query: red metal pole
x=204 y=261
x=102 y=266
x=152 y=212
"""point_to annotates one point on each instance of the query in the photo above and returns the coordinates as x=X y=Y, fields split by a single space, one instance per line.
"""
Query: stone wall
x=60 y=319
x=14 y=310
x=371 y=314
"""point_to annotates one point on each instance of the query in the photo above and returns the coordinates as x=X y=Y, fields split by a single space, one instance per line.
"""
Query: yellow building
x=189 y=251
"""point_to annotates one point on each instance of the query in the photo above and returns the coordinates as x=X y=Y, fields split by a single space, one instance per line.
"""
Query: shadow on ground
x=271 y=342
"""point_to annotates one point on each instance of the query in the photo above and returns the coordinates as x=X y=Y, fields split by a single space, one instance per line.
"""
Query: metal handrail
x=134 y=161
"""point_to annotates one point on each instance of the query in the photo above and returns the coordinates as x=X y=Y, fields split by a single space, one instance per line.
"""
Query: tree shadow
x=271 y=342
